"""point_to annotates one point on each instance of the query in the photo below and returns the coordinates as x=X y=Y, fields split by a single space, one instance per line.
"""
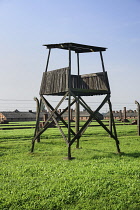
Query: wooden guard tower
x=62 y=83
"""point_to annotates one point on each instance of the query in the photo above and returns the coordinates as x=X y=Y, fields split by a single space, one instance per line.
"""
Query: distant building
x=84 y=115
x=17 y=116
x=130 y=114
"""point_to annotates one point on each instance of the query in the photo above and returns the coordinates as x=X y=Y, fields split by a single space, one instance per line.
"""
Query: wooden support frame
x=58 y=116
x=94 y=116
x=37 y=134
x=77 y=135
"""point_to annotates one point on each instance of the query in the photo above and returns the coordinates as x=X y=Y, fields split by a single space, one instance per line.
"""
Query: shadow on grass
x=111 y=155
x=3 y=147
x=134 y=154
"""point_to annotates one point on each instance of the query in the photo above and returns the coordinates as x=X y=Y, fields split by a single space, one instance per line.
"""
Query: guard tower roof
x=78 y=48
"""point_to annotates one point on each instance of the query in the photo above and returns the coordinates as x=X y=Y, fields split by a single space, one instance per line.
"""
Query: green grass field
x=97 y=178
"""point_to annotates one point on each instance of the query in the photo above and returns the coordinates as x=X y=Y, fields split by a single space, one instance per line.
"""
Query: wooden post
x=101 y=56
x=36 y=133
x=77 y=122
x=110 y=118
x=138 y=120
x=45 y=117
x=103 y=67
x=120 y=114
x=37 y=118
x=114 y=128
x=71 y=114
x=48 y=60
x=124 y=113
x=77 y=105
x=69 y=102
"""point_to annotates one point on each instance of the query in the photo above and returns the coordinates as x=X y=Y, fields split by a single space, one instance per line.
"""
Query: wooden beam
x=36 y=128
x=111 y=117
x=38 y=107
x=105 y=75
x=77 y=108
x=48 y=60
x=114 y=127
x=101 y=56
x=69 y=102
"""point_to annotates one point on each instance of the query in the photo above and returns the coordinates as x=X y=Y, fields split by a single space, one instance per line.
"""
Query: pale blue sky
x=26 y=25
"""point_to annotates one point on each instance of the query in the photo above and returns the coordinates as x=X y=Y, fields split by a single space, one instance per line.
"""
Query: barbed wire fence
x=26 y=104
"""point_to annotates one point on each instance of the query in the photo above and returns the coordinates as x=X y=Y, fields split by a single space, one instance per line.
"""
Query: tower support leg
x=69 y=126
x=114 y=127
x=37 y=123
x=77 y=121
x=69 y=152
x=38 y=107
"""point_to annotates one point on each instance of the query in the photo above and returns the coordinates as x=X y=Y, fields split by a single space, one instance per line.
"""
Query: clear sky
x=25 y=25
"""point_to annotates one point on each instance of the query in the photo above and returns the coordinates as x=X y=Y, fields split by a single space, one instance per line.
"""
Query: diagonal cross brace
x=97 y=110
x=55 y=120
x=45 y=125
x=59 y=115
x=92 y=115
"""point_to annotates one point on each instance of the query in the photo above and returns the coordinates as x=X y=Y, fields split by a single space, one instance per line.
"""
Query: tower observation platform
x=61 y=82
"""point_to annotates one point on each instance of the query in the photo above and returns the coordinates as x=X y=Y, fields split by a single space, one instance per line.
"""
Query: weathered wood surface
x=91 y=81
x=56 y=83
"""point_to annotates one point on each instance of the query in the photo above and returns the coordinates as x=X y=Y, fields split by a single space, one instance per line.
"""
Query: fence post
x=124 y=114
x=138 y=120
x=37 y=117
x=120 y=115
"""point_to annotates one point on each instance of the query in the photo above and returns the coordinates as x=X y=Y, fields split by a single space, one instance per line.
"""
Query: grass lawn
x=97 y=178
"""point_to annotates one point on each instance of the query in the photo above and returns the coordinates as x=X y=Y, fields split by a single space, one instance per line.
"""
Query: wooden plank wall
x=91 y=81
x=56 y=81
